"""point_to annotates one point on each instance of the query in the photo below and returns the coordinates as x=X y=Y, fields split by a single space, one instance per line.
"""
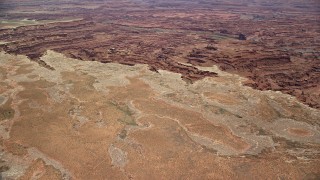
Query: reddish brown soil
x=299 y=132
x=281 y=51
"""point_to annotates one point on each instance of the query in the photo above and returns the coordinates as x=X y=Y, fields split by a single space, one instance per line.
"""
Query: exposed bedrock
x=274 y=51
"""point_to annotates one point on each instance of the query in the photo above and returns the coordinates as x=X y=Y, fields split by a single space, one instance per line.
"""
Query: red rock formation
x=281 y=51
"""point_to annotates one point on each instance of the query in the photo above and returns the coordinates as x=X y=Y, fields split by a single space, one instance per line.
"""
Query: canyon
x=161 y=89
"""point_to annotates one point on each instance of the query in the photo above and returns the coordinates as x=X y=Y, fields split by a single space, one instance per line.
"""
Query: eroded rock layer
x=276 y=45
x=87 y=120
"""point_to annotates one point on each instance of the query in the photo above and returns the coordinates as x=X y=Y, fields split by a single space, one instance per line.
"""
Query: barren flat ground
x=165 y=89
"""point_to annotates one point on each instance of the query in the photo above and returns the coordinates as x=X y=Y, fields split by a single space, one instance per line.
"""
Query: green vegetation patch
x=123 y=134
x=220 y=111
x=127 y=117
x=6 y=113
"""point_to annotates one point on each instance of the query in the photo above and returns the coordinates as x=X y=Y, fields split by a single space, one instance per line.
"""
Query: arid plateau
x=159 y=89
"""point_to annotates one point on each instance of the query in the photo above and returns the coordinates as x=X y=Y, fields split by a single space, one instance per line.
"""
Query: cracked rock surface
x=118 y=121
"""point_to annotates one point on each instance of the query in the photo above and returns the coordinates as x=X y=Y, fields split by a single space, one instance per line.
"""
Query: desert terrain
x=142 y=89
